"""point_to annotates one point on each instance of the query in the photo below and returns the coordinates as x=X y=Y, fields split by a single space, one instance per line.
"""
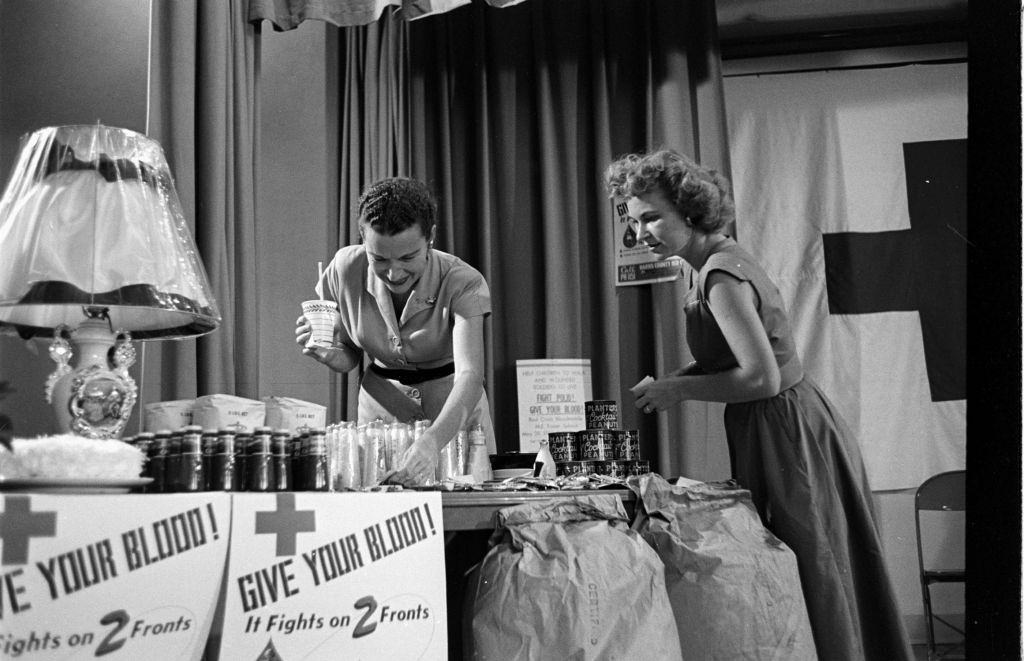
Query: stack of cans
x=602 y=448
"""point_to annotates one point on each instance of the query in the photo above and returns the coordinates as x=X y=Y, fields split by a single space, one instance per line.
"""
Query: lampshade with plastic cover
x=95 y=250
x=90 y=218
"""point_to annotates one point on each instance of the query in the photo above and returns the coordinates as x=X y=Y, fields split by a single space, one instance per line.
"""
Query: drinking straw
x=319 y=288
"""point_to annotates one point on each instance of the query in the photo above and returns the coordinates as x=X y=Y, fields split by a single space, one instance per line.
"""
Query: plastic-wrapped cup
x=322 y=316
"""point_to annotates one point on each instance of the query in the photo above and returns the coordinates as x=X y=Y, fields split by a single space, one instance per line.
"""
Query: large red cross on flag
x=850 y=189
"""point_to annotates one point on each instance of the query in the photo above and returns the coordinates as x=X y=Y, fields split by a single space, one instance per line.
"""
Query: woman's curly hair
x=393 y=205
x=700 y=194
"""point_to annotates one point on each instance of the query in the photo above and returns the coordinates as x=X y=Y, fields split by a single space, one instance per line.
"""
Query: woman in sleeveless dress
x=788 y=445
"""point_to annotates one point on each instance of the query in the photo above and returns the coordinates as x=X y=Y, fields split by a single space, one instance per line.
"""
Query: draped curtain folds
x=203 y=111
x=512 y=116
x=288 y=14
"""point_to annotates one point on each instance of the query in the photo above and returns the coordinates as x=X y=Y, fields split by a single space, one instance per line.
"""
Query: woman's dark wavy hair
x=393 y=205
x=700 y=194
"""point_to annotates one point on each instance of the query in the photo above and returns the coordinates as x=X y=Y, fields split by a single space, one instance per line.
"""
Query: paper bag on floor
x=567 y=579
x=734 y=587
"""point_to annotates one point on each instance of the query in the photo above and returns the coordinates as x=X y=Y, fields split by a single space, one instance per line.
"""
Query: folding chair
x=944 y=492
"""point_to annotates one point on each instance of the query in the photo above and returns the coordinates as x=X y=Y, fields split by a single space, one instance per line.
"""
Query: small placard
x=119 y=577
x=552 y=393
x=634 y=263
x=336 y=576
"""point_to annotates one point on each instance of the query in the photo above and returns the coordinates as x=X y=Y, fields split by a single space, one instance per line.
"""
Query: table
x=475 y=510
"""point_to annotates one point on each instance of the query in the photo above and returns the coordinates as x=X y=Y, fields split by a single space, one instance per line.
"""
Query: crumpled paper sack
x=734 y=586
x=567 y=579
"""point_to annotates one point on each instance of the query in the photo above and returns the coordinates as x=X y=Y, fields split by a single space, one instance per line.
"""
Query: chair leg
x=926 y=597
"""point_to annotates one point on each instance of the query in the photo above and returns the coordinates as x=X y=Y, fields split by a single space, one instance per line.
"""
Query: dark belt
x=412 y=377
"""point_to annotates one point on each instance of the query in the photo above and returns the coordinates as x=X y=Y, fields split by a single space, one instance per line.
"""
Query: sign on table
x=118 y=576
x=552 y=394
x=332 y=576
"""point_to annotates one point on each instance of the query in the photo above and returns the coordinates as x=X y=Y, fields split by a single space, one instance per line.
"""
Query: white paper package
x=172 y=414
x=220 y=411
x=291 y=414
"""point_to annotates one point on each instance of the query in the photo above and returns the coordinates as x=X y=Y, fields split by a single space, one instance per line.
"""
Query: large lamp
x=95 y=253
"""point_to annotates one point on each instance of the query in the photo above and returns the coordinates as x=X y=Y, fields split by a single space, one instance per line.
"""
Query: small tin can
x=627 y=444
x=563 y=445
x=601 y=414
x=570 y=468
x=597 y=444
x=639 y=467
x=316 y=478
x=281 y=445
x=191 y=476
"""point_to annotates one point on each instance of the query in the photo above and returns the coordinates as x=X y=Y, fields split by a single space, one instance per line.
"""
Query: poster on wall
x=111 y=576
x=634 y=263
x=551 y=395
x=335 y=576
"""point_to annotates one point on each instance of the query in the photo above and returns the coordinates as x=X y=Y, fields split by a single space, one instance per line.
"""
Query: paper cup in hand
x=321 y=316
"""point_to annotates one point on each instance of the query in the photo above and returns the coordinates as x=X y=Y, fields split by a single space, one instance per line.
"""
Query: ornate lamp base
x=96 y=398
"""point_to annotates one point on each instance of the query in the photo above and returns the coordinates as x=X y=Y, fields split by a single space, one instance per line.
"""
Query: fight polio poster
x=110 y=576
x=551 y=394
x=335 y=576
x=634 y=264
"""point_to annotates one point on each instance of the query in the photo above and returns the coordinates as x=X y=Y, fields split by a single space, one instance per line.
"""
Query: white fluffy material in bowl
x=70 y=456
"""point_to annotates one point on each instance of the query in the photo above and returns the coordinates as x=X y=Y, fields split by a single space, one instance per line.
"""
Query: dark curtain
x=512 y=115
x=202 y=110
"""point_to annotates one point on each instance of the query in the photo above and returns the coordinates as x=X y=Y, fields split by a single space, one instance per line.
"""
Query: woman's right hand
x=303 y=329
x=338 y=358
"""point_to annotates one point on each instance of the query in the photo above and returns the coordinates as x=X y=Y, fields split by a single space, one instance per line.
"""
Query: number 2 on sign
x=362 y=627
x=119 y=619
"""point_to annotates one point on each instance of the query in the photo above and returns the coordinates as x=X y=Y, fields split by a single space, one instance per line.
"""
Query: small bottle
x=281 y=444
x=317 y=473
x=172 y=480
x=544 y=464
x=209 y=450
x=259 y=461
x=158 y=453
x=192 y=477
x=479 y=460
x=144 y=442
x=223 y=475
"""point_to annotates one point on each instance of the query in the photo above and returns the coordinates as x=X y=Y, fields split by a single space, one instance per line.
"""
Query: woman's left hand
x=418 y=463
x=658 y=396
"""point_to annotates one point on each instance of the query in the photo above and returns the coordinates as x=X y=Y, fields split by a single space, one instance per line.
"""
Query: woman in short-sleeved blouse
x=417 y=313
x=787 y=443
